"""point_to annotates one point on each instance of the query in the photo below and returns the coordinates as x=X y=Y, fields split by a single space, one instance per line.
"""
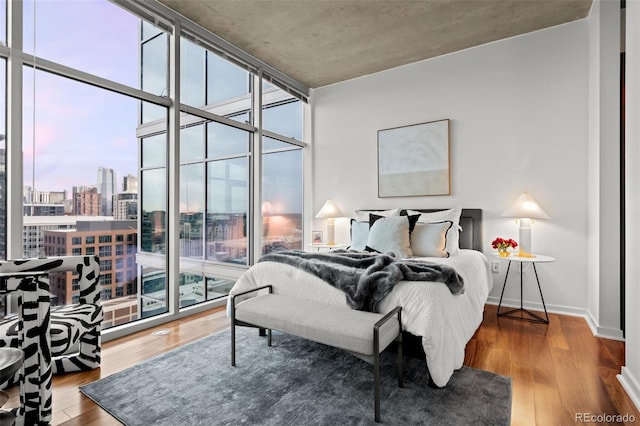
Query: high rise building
x=115 y=242
x=125 y=206
x=86 y=201
x=33 y=229
x=32 y=196
x=130 y=184
x=107 y=188
x=43 y=203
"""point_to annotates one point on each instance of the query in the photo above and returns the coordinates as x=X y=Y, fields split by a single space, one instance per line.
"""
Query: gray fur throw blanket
x=366 y=278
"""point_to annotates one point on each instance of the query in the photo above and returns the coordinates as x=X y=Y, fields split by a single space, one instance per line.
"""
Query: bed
x=441 y=321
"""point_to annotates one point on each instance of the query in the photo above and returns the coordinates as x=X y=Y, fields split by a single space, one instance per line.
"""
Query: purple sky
x=78 y=127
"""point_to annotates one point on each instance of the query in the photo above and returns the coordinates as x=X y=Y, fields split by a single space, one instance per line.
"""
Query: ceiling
x=320 y=42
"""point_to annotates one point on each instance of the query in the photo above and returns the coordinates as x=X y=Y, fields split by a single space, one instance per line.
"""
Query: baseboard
x=596 y=330
x=604 y=332
x=631 y=385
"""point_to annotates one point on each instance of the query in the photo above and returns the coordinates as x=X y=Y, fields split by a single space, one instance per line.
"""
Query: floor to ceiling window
x=95 y=103
x=3 y=154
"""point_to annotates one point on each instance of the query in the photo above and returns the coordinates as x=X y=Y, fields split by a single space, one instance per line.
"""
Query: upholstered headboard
x=471 y=223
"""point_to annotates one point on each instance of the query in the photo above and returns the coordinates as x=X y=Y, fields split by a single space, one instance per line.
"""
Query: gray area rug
x=294 y=382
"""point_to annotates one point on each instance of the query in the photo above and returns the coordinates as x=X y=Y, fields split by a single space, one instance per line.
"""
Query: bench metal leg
x=400 y=367
x=397 y=311
x=234 y=322
x=233 y=342
x=268 y=337
x=376 y=380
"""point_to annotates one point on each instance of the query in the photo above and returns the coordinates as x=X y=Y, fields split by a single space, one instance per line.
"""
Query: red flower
x=501 y=243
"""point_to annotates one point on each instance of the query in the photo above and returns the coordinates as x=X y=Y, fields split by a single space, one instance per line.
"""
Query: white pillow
x=363 y=215
x=453 y=234
x=359 y=235
x=390 y=234
x=429 y=239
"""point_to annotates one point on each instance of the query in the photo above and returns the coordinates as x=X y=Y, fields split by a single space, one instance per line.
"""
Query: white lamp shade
x=526 y=207
x=329 y=211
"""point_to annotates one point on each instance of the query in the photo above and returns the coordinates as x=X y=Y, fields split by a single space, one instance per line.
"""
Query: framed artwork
x=414 y=160
x=316 y=237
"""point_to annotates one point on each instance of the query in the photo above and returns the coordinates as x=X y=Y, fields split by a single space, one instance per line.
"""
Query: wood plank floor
x=558 y=370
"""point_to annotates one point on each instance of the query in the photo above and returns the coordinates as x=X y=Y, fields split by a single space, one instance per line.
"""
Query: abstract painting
x=414 y=160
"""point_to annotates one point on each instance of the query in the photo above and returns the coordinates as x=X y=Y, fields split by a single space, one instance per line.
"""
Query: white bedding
x=445 y=322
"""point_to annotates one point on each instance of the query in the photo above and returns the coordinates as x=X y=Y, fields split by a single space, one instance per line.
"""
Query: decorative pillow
x=452 y=245
x=363 y=215
x=359 y=235
x=391 y=234
x=429 y=239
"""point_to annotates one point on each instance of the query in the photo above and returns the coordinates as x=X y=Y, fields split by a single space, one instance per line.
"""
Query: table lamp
x=330 y=211
x=524 y=209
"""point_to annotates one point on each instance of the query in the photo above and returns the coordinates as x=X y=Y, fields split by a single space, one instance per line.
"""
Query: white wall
x=630 y=377
x=519 y=121
x=604 y=169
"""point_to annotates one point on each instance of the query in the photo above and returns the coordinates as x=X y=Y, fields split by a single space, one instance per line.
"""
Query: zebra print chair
x=74 y=329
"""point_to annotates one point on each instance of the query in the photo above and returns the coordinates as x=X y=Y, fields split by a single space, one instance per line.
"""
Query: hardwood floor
x=558 y=370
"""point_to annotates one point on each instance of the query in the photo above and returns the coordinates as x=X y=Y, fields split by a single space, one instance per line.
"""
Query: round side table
x=523 y=261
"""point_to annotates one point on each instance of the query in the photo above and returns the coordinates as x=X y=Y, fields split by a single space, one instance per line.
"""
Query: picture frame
x=316 y=237
x=414 y=160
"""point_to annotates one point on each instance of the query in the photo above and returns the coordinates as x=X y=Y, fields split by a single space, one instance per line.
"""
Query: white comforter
x=445 y=322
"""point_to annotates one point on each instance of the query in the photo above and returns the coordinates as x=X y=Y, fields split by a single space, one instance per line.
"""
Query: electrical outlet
x=495 y=267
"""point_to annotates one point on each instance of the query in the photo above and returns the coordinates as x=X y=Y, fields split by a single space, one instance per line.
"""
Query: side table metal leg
x=503 y=287
x=540 y=290
x=521 y=287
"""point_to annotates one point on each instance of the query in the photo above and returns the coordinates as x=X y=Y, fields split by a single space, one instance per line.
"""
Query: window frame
x=176 y=27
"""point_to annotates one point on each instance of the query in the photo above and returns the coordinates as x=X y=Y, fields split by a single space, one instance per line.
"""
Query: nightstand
x=524 y=261
x=329 y=247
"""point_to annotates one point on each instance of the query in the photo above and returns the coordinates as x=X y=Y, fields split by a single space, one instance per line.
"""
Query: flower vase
x=503 y=252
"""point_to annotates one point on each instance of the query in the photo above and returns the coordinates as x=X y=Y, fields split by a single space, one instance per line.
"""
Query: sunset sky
x=78 y=127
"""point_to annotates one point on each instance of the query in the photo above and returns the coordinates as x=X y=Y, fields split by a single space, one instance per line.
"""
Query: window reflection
x=154 y=292
x=224 y=141
x=153 y=63
x=225 y=80
x=192 y=143
x=217 y=288
x=227 y=207
x=192 y=289
x=282 y=196
x=154 y=152
x=154 y=211
x=192 y=74
x=284 y=119
x=191 y=210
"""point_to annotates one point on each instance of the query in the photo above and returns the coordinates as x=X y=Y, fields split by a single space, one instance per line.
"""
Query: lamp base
x=525 y=238
x=330 y=232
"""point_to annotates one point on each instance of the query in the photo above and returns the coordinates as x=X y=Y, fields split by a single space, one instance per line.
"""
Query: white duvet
x=444 y=321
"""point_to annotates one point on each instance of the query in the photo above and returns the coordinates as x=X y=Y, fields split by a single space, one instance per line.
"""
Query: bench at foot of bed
x=365 y=334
